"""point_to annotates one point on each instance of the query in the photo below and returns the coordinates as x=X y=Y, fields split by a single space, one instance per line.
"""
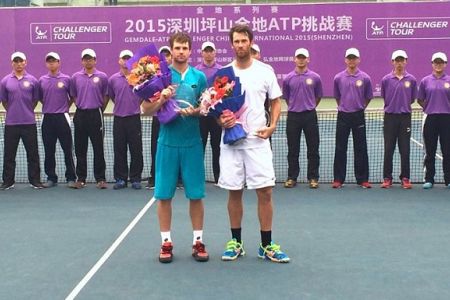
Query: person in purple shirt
x=19 y=93
x=255 y=51
x=127 y=129
x=434 y=97
x=165 y=50
x=208 y=124
x=399 y=90
x=54 y=94
x=353 y=92
x=89 y=89
x=302 y=90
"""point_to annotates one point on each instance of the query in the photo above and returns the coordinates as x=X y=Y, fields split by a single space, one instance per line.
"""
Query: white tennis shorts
x=253 y=167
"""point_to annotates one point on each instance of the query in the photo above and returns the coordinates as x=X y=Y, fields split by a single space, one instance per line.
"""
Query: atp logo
x=40 y=34
x=376 y=29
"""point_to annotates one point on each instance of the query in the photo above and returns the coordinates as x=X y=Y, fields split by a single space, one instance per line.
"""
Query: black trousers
x=154 y=144
x=127 y=132
x=208 y=125
x=397 y=129
x=88 y=125
x=356 y=123
x=437 y=127
x=296 y=123
x=57 y=127
x=28 y=134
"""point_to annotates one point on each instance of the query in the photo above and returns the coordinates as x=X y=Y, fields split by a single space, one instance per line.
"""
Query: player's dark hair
x=180 y=37
x=241 y=28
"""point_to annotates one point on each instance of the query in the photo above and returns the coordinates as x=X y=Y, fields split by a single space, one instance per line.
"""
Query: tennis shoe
x=313 y=184
x=102 y=185
x=78 y=185
x=233 y=250
x=120 y=184
x=49 y=184
x=337 y=184
x=150 y=184
x=365 y=185
x=180 y=185
x=7 y=186
x=136 y=185
x=37 y=185
x=406 y=184
x=71 y=184
x=273 y=252
x=290 y=183
x=199 y=252
x=427 y=185
x=165 y=254
x=387 y=183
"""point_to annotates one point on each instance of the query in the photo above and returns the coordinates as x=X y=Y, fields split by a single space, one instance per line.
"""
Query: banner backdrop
x=376 y=29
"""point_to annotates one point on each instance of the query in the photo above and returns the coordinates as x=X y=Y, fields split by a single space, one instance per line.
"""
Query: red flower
x=144 y=69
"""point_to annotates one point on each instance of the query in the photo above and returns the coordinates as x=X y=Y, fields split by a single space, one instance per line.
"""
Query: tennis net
x=327 y=129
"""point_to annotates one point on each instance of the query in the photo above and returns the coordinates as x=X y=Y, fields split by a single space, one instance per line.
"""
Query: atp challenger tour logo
x=70 y=33
x=407 y=28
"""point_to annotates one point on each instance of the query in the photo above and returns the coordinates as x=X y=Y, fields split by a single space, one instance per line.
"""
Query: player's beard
x=243 y=54
x=180 y=59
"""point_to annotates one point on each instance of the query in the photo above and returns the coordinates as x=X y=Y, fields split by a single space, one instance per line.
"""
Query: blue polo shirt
x=435 y=92
x=184 y=131
x=20 y=95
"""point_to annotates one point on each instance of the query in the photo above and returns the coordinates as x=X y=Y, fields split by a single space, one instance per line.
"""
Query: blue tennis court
x=344 y=244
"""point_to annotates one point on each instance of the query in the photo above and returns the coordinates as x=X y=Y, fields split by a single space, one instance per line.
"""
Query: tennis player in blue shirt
x=180 y=149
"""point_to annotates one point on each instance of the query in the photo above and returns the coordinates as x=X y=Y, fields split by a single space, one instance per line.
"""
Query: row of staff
x=302 y=90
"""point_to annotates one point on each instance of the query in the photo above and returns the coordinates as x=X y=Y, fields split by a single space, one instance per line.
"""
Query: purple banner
x=326 y=30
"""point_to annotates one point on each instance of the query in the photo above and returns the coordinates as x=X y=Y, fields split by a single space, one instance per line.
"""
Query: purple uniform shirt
x=301 y=90
x=208 y=70
x=125 y=102
x=89 y=90
x=352 y=91
x=435 y=92
x=398 y=94
x=54 y=93
x=20 y=96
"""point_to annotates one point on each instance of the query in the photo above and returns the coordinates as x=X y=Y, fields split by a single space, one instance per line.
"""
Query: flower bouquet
x=149 y=75
x=224 y=97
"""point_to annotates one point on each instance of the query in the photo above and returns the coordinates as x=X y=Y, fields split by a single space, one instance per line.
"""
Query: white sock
x=198 y=236
x=165 y=236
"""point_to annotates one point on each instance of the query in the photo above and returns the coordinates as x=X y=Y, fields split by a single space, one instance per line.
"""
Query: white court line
x=110 y=251
x=421 y=145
